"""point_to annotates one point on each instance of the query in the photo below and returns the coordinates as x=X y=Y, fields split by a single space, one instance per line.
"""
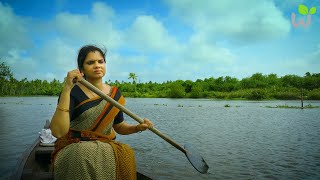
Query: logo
x=303 y=10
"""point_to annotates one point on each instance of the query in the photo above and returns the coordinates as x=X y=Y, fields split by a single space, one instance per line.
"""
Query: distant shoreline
x=256 y=87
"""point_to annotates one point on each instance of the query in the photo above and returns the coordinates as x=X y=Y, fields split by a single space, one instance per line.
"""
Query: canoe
x=35 y=163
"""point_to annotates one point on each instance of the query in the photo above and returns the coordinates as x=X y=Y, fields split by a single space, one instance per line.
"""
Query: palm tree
x=134 y=77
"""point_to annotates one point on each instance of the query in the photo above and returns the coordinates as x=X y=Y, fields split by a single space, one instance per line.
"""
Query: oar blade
x=195 y=159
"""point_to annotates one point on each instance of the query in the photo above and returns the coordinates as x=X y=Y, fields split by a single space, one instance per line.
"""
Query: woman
x=84 y=124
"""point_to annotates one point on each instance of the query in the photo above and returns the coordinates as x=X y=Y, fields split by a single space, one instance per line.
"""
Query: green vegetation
x=256 y=87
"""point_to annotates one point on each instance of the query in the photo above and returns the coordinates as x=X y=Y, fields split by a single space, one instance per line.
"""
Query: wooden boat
x=35 y=163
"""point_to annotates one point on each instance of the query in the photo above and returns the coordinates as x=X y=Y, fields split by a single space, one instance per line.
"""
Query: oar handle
x=129 y=113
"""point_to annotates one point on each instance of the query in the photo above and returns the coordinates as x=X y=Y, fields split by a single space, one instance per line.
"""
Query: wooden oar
x=193 y=156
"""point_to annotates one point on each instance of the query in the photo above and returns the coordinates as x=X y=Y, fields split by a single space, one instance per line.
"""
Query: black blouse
x=77 y=96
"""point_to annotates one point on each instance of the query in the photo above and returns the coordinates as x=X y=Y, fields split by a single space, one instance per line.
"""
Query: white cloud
x=197 y=56
x=119 y=66
x=95 y=28
x=53 y=60
x=13 y=31
x=201 y=51
x=20 y=66
x=102 y=12
x=58 y=54
x=243 y=21
x=60 y=42
x=148 y=34
x=148 y=45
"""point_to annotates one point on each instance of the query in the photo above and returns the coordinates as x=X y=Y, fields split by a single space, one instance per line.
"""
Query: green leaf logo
x=303 y=9
x=313 y=10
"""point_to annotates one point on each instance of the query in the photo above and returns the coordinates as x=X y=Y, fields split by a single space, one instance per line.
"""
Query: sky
x=160 y=40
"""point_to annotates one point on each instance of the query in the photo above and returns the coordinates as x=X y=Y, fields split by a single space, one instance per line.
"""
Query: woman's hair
x=85 y=50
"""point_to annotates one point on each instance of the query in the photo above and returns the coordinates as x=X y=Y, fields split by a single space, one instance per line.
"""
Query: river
x=244 y=141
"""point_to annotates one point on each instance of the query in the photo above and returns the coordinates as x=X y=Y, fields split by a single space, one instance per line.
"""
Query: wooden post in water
x=301 y=94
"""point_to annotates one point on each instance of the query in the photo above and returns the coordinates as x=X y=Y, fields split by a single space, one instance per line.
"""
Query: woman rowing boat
x=85 y=126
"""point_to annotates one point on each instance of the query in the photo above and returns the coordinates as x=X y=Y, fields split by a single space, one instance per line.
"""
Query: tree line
x=256 y=87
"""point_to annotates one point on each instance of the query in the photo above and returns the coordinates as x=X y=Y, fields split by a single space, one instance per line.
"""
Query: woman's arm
x=125 y=128
x=60 y=122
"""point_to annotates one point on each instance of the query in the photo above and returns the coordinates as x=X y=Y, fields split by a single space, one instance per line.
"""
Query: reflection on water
x=244 y=141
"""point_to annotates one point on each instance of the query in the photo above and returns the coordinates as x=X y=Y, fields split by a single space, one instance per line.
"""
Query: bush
x=313 y=95
x=286 y=95
x=176 y=91
x=257 y=94
x=196 y=91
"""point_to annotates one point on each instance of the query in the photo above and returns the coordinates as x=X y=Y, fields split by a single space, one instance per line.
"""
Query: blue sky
x=160 y=40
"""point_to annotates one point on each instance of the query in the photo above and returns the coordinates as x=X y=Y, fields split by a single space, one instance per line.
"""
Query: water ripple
x=244 y=141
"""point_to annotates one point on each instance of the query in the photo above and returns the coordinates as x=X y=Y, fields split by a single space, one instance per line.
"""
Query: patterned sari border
x=86 y=101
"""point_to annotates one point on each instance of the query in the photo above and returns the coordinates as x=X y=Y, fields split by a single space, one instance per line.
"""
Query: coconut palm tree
x=134 y=77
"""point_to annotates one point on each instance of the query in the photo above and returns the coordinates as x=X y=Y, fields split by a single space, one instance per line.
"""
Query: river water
x=244 y=141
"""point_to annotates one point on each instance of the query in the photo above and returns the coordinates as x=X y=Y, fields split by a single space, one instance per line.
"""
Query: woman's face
x=94 y=66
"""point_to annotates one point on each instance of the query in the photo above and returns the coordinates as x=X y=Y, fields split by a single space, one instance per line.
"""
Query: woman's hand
x=145 y=125
x=69 y=80
x=125 y=128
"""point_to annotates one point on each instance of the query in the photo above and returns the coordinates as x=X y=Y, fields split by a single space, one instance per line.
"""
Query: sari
x=89 y=149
